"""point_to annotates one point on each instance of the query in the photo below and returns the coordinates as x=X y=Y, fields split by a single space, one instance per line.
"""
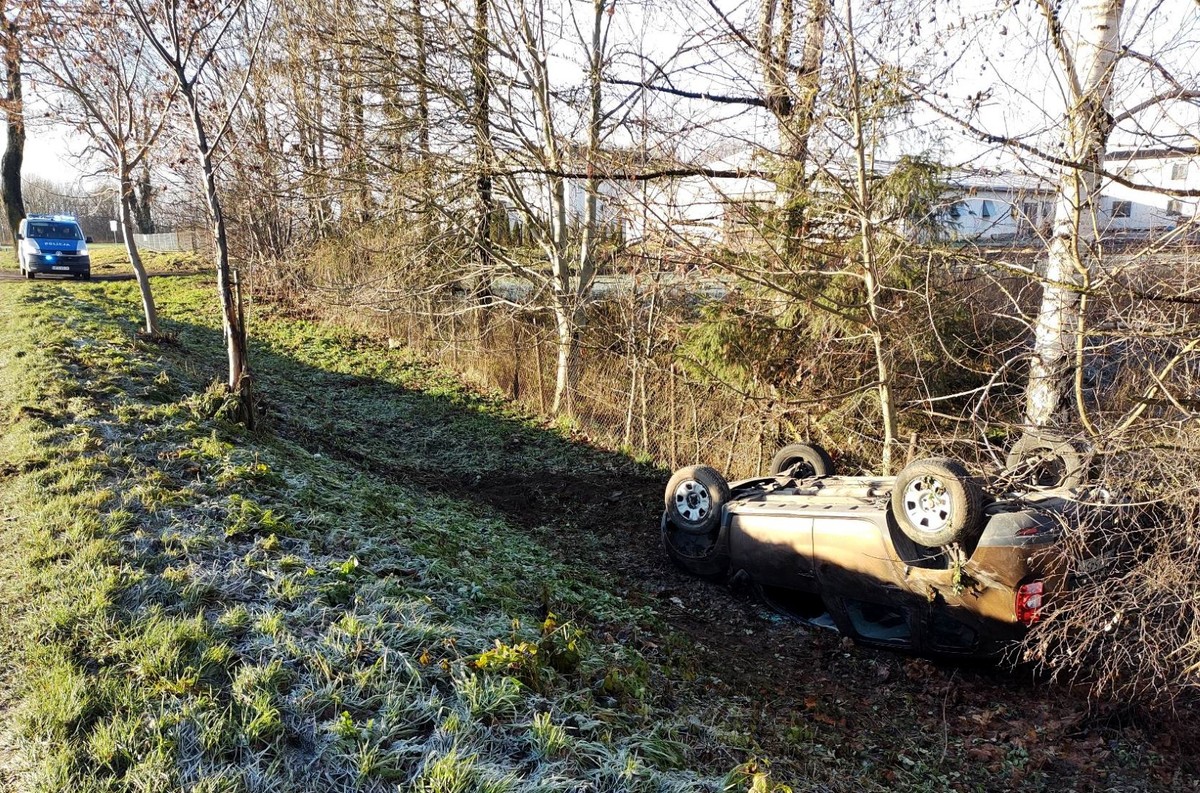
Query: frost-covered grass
x=201 y=608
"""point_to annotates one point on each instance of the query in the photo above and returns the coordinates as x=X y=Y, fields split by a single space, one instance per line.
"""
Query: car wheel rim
x=927 y=503
x=692 y=501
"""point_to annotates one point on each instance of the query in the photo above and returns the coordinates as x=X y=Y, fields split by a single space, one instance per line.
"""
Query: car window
x=53 y=231
x=879 y=623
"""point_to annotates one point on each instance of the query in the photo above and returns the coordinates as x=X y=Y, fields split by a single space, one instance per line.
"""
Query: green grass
x=204 y=608
x=111 y=259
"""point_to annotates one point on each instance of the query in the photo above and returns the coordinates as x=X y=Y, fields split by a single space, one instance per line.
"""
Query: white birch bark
x=1089 y=67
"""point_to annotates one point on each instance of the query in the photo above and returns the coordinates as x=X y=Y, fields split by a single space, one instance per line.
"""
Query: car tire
x=695 y=498
x=1046 y=460
x=706 y=556
x=693 y=530
x=936 y=502
x=816 y=460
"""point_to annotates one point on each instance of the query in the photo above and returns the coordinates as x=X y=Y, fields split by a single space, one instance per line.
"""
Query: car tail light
x=1029 y=602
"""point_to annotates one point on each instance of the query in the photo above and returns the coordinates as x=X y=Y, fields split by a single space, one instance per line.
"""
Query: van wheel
x=29 y=274
x=936 y=502
x=695 y=498
x=704 y=555
x=810 y=459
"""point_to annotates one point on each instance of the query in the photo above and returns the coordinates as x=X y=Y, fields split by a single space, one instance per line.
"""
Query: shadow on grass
x=415 y=426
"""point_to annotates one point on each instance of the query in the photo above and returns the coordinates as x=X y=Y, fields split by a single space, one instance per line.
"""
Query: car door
x=773 y=545
x=861 y=581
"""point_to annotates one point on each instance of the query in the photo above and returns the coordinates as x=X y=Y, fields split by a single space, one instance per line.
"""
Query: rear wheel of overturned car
x=809 y=460
x=692 y=526
x=936 y=502
x=1046 y=460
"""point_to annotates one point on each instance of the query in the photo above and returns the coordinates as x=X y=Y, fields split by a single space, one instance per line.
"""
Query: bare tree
x=101 y=82
x=195 y=42
x=14 y=113
x=554 y=141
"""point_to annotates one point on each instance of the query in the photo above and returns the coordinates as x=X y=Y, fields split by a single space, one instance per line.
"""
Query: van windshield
x=44 y=230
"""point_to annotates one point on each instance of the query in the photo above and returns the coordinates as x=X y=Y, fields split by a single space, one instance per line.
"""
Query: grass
x=111 y=259
x=213 y=610
x=358 y=597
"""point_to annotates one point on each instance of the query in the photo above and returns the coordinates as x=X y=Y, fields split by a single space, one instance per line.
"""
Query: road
x=15 y=275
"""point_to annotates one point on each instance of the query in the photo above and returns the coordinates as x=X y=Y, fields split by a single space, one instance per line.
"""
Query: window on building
x=1122 y=209
x=987 y=210
x=1174 y=207
x=1179 y=170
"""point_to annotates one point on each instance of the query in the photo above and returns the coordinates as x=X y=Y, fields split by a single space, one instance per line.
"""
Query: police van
x=53 y=245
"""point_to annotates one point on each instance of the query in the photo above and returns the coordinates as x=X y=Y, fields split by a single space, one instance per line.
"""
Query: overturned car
x=924 y=561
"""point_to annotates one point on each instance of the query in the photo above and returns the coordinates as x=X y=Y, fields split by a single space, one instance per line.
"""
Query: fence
x=192 y=240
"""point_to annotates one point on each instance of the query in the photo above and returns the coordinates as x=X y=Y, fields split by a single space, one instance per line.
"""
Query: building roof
x=1158 y=153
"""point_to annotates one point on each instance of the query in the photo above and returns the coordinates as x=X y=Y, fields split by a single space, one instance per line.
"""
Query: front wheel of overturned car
x=693 y=530
x=936 y=502
x=808 y=458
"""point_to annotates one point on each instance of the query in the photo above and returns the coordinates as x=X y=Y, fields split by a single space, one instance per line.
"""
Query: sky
x=975 y=45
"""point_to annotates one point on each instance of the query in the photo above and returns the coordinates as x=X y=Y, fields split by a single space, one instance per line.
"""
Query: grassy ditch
x=204 y=609
x=399 y=583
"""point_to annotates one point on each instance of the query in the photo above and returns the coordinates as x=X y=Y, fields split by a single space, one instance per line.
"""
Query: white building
x=996 y=206
x=1162 y=168
x=977 y=206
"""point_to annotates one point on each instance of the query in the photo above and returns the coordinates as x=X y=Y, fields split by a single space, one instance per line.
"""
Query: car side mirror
x=88 y=240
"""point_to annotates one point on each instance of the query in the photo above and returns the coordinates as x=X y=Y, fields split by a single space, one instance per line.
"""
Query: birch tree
x=549 y=151
x=1087 y=65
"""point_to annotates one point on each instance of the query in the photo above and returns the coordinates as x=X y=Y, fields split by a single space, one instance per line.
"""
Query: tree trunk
x=127 y=204
x=567 y=369
x=564 y=312
x=590 y=231
x=14 y=150
x=481 y=125
x=1057 y=330
x=143 y=217
x=425 y=210
x=791 y=97
x=231 y=310
x=868 y=231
